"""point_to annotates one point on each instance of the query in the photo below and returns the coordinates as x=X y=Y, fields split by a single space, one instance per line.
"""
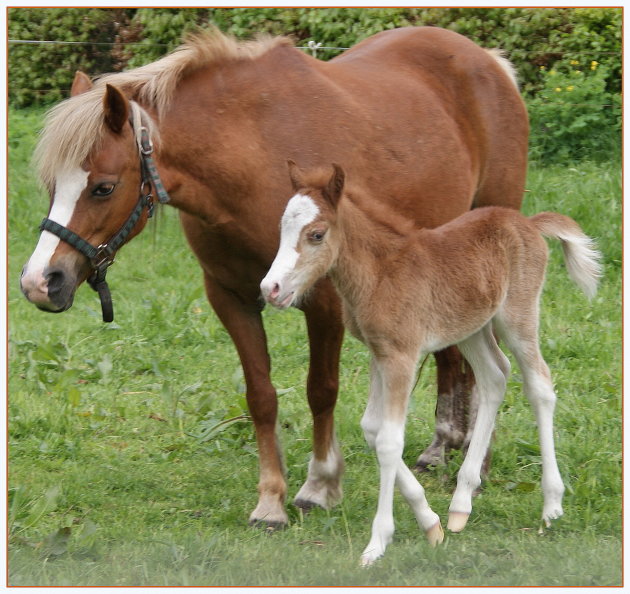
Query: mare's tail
x=580 y=253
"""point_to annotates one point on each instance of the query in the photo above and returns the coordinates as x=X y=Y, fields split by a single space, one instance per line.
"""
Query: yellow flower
x=594 y=65
x=552 y=72
x=574 y=62
x=570 y=88
x=558 y=90
x=543 y=68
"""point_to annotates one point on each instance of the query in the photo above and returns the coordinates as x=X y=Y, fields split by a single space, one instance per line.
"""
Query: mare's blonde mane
x=74 y=127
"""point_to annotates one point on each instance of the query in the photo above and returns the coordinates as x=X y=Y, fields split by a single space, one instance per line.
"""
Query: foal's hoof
x=435 y=534
x=457 y=521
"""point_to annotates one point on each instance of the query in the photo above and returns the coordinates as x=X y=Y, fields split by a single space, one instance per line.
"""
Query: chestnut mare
x=430 y=121
x=409 y=292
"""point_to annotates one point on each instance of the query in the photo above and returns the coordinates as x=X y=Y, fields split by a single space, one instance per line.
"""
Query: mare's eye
x=103 y=190
x=316 y=236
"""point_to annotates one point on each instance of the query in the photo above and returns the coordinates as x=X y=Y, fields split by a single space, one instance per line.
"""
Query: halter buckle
x=146 y=144
x=103 y=259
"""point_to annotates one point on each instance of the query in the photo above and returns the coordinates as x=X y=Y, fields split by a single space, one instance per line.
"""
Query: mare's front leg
x=383 y=425
x=325 y=331
x=244 y=324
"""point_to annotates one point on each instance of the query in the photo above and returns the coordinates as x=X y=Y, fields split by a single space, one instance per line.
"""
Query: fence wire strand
x=311 y=46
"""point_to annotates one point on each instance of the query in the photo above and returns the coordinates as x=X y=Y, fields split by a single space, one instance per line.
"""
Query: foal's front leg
x=384 y=426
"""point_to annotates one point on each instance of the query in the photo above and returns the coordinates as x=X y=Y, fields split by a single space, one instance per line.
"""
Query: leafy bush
x=538 y=41
x=574 y=116
x=42 y=72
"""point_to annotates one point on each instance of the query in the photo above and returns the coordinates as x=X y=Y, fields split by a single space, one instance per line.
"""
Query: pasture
x=132 y=461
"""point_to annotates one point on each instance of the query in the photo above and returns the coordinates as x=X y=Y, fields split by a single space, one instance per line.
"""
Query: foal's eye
x=316 y=236
x=103 y=190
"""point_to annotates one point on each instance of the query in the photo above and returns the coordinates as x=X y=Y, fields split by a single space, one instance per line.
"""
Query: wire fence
x=312 y=46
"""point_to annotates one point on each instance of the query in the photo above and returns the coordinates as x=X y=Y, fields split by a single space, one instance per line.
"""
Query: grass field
x=132 y=460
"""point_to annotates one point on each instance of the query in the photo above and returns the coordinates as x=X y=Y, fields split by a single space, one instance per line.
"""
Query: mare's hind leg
x=455 y=412
x=325 y=331
x=244 y=324
x=522 y=339
x=491 y=368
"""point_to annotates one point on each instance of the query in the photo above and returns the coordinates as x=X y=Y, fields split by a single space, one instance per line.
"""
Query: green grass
x=122 y=472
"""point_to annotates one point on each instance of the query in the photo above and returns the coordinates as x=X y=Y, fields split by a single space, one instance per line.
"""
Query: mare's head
x=89 y=161
x=309 y=241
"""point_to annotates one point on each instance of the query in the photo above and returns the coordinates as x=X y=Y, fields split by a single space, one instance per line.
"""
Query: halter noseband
x=102 y=257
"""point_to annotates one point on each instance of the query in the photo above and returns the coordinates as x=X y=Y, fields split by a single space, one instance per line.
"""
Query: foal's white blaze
x=277 y=286
x=70 y=185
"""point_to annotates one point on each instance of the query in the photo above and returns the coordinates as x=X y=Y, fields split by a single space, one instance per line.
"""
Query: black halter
x=102 y=257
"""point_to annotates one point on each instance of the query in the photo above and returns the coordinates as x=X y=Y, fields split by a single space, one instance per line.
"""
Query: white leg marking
x=539 y=390
x=389 y=447
x=387 y=438
x=323 y=484
x=489 y=365
x=541 y=395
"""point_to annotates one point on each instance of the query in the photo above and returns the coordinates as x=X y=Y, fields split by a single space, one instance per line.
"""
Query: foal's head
x=309 y=241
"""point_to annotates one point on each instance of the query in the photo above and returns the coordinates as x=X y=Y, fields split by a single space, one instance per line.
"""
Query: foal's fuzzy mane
x=74 y=127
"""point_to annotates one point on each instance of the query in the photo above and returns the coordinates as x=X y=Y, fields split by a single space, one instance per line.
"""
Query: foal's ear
x=80 y=84
x=295 y=173
x=116 y=109
x=332 y=192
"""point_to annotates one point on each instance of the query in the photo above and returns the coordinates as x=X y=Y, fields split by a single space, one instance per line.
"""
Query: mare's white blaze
x=70 y=185
x=300 y=211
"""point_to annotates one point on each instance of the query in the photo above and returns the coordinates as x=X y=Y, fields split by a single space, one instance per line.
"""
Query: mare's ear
x=80 y=84
x=295 y=173
x=116 y=109
x=333 y=190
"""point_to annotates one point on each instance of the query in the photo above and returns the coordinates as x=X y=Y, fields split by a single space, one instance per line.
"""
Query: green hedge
x=538 y=41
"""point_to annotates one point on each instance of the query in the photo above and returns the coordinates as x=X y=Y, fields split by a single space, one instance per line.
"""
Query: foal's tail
x=580 y=253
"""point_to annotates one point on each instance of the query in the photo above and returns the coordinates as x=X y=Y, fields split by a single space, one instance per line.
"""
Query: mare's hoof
x=305 y=505
x=435 y=534
x=269 y=527
x=422 y=467
x=457 y=521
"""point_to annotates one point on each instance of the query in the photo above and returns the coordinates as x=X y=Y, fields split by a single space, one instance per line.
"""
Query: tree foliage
x=537 y=41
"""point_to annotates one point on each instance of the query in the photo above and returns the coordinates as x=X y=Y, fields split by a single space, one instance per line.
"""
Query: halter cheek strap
x=102 y=257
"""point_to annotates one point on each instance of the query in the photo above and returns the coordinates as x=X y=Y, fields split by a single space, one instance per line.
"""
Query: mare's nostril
x=275 y=291
x=56 y=279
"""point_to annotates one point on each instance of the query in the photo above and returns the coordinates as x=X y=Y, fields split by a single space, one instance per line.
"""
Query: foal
x=410 y=292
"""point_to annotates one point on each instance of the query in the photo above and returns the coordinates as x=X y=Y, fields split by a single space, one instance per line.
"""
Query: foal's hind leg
x=325 y=331
x=491 y=369
x=522 y=339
